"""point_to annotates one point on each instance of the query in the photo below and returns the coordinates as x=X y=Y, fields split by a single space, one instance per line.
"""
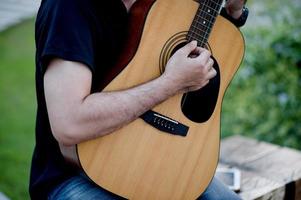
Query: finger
x=191 y=89
x=188 y=48
x=204 y=56
x=204 y=83
x=211 y=74
x=198 y=50
x=209 y=65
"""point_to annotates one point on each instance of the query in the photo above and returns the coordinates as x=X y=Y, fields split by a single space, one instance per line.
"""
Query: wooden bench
x=267 y=171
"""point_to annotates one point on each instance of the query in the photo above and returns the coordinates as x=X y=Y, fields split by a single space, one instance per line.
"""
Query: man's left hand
x=234 y=7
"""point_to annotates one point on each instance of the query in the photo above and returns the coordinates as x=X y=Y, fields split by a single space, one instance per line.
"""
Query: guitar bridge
x=164 y=123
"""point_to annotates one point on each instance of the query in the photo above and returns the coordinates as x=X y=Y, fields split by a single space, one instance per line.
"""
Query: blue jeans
x=81 y=188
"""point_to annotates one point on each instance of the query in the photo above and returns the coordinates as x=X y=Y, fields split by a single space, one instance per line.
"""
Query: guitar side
x=140 y=162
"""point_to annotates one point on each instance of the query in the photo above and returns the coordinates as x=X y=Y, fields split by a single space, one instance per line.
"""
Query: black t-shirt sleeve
x=63 y=31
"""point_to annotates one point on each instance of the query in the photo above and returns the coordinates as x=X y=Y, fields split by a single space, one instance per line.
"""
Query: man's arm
x=235 y=7
x=76 y=115
x=236 y=12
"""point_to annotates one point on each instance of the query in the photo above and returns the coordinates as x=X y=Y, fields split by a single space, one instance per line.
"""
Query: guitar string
x=201 y=14
x=194 y=31
x=206 y=17
x=201 y=30
x=197 y=18
x=217 y=3
x=191 y=34
x=209 y=10
x=195 y=28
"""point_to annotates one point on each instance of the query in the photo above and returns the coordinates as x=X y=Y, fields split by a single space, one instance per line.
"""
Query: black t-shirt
x=87 y=31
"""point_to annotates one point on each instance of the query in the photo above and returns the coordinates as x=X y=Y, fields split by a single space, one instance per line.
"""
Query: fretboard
x=204 y=20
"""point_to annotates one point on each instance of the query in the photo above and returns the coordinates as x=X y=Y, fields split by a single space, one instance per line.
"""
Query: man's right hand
x=190 y=68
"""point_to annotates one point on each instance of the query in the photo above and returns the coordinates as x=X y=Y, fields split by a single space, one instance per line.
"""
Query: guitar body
x=139 y=161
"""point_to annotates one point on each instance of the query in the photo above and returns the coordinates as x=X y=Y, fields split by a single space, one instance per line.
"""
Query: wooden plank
x=267 y=169
x=283 y=166
x=257 y=187
x=277 y=194
x=238 y=150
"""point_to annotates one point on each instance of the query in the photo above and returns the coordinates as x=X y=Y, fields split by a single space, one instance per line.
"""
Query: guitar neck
x=204 y=20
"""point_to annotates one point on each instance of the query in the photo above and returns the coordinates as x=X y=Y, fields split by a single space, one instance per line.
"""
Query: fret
x=192 y=33
x=201 y=30
x=217 y=4
x=204 y=20
x=206 y=14
x=208 y=10
x=204 y=35
x=201 y=41
x=196 y=36
x=210 y=7
x=204 y=24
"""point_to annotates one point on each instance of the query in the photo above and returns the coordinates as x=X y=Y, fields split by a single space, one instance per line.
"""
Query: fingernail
x=194 y=42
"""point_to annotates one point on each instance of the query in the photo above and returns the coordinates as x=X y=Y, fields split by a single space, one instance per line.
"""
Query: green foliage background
x=263 y=100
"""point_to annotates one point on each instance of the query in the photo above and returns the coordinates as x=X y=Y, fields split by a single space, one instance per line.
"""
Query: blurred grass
x=17 y=108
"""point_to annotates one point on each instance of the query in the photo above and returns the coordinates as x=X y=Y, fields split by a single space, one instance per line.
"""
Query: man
x=77 y=42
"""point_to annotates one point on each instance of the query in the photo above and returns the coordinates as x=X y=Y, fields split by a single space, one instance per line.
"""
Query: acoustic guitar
x=170 y=152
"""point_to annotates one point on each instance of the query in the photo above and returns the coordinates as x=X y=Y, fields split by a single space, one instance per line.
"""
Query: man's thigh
x=80 y=187
x=218 y=191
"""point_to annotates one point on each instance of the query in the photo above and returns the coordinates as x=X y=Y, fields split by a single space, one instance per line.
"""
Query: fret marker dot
x=209 y=10
x=204 y=22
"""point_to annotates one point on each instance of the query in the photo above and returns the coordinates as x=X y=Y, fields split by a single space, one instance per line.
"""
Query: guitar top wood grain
x=140 y=162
